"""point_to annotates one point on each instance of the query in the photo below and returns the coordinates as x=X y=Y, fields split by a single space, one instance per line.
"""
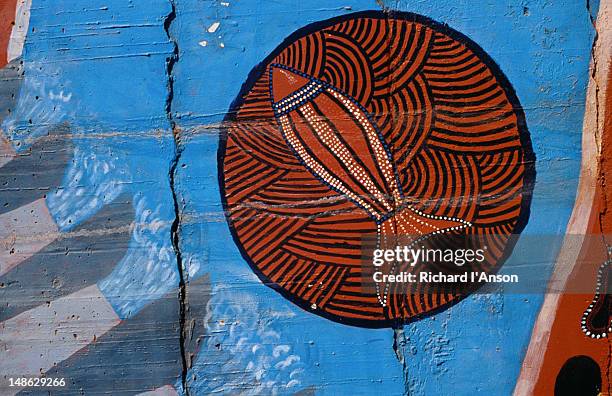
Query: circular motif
x=371 y=124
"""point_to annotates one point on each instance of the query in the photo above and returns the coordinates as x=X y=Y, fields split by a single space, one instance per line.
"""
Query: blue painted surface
x=109 y=59
x=100 y=68
x=543 y=49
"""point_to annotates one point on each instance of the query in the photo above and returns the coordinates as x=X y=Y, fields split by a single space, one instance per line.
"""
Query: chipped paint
x=214 y=27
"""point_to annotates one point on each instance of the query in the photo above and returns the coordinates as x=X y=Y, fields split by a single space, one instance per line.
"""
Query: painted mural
x=189 y=191
x=388 y=126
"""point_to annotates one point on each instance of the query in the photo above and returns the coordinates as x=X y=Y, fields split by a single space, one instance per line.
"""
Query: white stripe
x=167 y=390
x=36 y=340
x=24 y=232
x=20 y=29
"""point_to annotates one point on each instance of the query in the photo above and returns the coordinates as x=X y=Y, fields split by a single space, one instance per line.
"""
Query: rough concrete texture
x=113 y=116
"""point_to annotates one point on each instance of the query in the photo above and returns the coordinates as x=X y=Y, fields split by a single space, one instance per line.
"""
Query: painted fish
x=339 y=144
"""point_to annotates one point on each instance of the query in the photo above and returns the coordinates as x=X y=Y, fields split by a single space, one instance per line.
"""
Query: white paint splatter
x=148 y=270
x=39 y=106
x=95 y=178
x=213 y=28
x=251 y=355
x=203 y=43
x=60 y=96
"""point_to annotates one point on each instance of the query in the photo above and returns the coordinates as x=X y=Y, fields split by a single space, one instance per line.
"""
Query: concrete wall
x=120 y=274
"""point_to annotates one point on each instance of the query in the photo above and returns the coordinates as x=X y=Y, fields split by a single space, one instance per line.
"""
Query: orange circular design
x=371 y=124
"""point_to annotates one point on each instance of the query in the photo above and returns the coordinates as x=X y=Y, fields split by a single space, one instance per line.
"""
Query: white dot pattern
x=330 y=139
x=319 y=169
x=374 y=140
x=587 y=312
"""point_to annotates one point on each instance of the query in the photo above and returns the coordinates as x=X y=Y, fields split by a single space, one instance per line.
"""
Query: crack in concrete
x=175 y=228
x=399 y=347
x=600 y=138
x=600 y=134
x=594 y=70
x=399 y=336
x=601 y=141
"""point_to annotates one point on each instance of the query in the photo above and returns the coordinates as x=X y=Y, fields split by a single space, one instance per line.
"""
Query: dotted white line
x=463 y=224
x=330 y=139
x=588 y=311
x=372 y=136
x=318 y=169
x=300 y=96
